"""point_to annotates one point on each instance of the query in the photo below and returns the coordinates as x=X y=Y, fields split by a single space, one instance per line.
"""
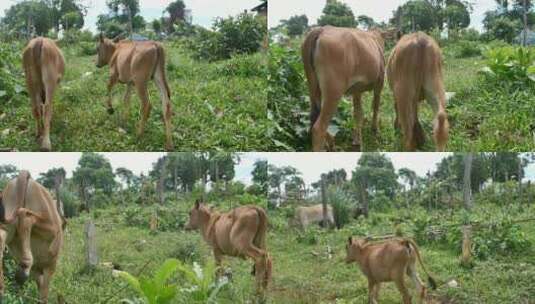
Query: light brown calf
x=339 y=61
x=388 y=261
x=44 y=66
x=415 y=73
x=31 y=227
x=241 y=232
x=135 y=63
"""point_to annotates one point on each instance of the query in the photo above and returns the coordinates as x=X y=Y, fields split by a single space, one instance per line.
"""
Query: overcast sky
x=379 y=10
x=137 y=162
x=203 y=11
x=312 y=165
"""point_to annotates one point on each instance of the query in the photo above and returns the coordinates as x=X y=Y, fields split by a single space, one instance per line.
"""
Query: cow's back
x=415 y=57
x=42 y=55
x=356 y=55
x=307 y=215
x=133 y=60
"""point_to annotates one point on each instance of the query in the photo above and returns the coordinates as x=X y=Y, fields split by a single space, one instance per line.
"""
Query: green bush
x=169 y=218
x=465 y=49
x=242 y=34
x=342 y=205
x=242 y=66
x=287 y=109
x=11 y=77
x=513 y=66
x=87 y=48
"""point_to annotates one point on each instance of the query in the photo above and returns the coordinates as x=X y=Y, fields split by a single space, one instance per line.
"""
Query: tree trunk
x=161 y=183
x=519 y=177
x=525 y=38
x=364 y=197
x=324 y=204
x=130 y=27
x=467 y=189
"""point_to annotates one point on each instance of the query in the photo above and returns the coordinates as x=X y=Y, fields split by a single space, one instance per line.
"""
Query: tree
x=457 y=15
x=296 y=25
x=260 y=174
x=408 y=176
x=337 y=14
x=123 y=16
x=8 y=171
x=126 y=176
x=366 y=21
x=29 y=17
x=278 y=176
x=378 y=172
x=415 y=15
x=176 y=10
x=94 y=172
x=156 y=26
x=72 y=20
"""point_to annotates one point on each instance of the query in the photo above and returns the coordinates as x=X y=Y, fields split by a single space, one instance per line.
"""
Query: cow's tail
x=21 y=187
x=260 y=241
x=32 y=66
x=160 y=68
x=308 y=50
x=410 y=243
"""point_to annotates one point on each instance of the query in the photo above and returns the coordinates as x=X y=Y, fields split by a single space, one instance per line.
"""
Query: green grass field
x=307 y=267
x=217 y=106
x=482 y=117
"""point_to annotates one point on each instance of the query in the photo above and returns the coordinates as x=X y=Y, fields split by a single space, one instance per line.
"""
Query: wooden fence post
x=466 y=258
x=91 y=244
x=324 y=203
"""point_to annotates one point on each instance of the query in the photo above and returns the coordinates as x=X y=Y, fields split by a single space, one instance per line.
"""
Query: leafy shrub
x=11 y=78
x=341 y=204
x=242 y=66
x=71 y=205
x=169 y=218
x=242 y=34
x=87 y=49
x=465 y=48
x=310 y=236
x=514 y=66
x=287 y=109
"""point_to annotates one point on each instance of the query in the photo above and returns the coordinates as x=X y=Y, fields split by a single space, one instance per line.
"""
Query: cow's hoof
x=111 y=111
x=355 y=147
x=21 y=277
x=46 y=146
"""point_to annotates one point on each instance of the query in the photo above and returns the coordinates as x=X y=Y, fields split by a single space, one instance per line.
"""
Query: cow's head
x=354 y=249
x=105 y=50
x=197 y=215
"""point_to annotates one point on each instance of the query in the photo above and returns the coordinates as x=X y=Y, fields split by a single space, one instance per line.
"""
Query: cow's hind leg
x=331 y=92
x=413 y=274
x=126 y=101
x=24 y=231
x=376 y=104
x=42 y=278
x=50 y=87
x=37 y=99
x=436 y=97
x=372 y=295
x=406 y=101
x=3 y=239
x=111 y=83
x=400 y=284
x=167 y=112
x=141 y=87
x=358 y=117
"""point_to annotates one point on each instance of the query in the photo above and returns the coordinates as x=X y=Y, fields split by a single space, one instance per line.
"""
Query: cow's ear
x=197 y=203
x=350 y=240
x=101 y=37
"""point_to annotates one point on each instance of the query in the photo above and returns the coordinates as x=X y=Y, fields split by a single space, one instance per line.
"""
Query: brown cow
x=31 y=227
x=415 y=73
x=136 y=63
x=388 y=261
x=240 y=232
x=44 y=66
x=338 y=61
